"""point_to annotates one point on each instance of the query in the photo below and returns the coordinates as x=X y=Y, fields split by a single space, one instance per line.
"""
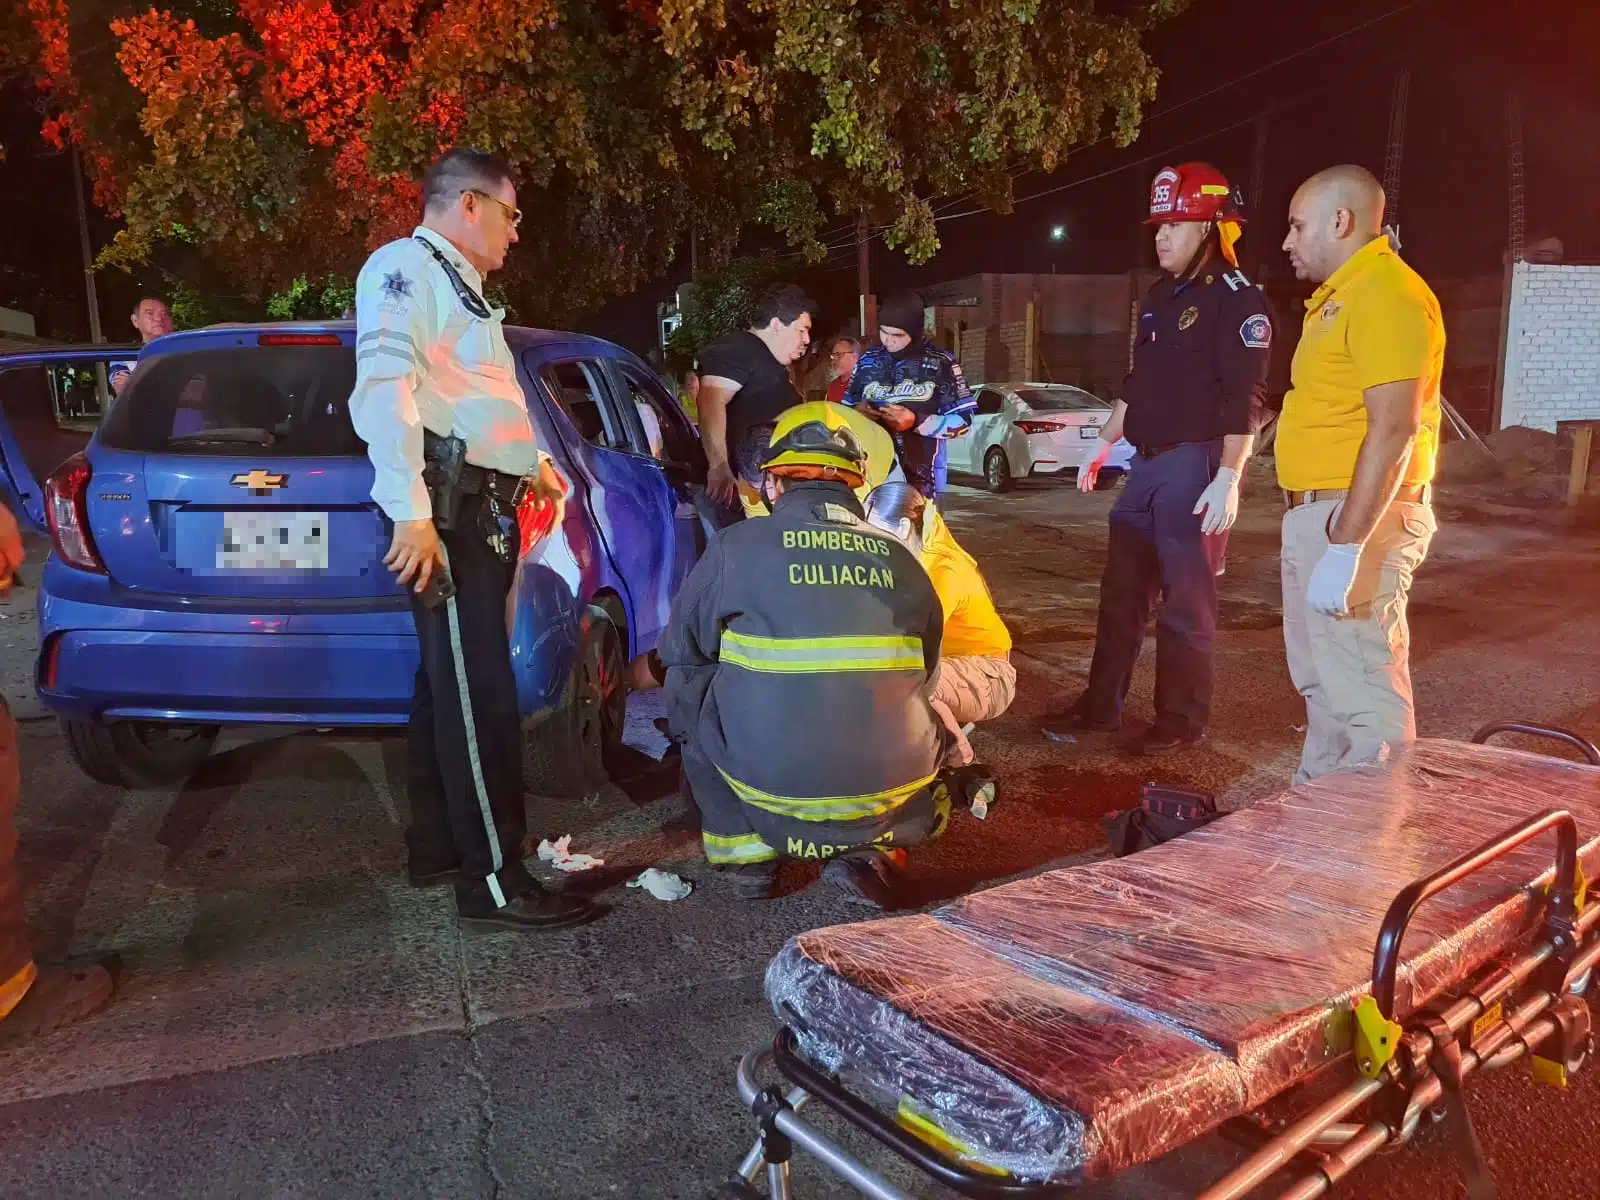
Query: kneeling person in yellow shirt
x=975 y=680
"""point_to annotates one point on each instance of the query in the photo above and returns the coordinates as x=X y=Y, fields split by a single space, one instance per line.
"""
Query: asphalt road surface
x=294 y=1020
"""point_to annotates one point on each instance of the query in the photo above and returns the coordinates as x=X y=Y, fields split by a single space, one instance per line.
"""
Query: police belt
x=473 y=480
x=1409 y=493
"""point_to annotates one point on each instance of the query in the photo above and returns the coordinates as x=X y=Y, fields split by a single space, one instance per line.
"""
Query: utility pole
x=95 y=333
x=1398 y=97
x=1515 y=249
x=869 y=310
x=1258 y=186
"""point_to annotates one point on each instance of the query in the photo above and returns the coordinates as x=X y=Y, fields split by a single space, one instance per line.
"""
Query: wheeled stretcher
x=1316 y=975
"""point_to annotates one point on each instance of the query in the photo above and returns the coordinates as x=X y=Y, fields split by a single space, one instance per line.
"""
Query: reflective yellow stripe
x=742 y=848
x=807 y=656
x=827 y=808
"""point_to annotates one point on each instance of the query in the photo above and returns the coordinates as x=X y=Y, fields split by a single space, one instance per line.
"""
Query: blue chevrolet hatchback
x=218 y=560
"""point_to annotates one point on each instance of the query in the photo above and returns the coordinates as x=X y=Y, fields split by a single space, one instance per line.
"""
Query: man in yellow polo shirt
x=1356 y=447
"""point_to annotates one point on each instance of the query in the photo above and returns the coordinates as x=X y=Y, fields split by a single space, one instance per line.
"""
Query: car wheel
x=138 y=754
x=571 y=752
x=996 y=471
x=1108 y=478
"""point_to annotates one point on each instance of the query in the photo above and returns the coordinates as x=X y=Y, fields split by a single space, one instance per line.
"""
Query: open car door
x=51 y=402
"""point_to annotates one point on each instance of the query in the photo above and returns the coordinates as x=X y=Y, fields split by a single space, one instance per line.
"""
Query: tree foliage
x=286 y=137
x=720 y=301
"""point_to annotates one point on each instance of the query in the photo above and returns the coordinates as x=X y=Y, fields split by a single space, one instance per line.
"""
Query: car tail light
x=1040 y=426
x=67 y=506
x=298 y=339
x=50 y=663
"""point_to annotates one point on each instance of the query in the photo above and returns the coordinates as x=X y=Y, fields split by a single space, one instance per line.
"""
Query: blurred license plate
x=266 y=541
x=1088 y=431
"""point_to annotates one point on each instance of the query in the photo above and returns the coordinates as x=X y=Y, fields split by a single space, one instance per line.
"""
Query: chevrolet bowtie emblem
x=259 y=481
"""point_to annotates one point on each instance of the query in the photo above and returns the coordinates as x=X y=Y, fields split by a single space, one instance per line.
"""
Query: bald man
x=1355 y=455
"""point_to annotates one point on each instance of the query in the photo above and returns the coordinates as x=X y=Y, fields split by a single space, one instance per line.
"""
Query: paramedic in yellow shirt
x=975 y=680
x=1355 y=455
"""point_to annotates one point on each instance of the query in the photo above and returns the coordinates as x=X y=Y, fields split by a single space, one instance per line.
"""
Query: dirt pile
x=1515 y=456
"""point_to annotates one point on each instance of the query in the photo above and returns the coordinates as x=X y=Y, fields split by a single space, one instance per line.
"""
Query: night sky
x=1223 y=62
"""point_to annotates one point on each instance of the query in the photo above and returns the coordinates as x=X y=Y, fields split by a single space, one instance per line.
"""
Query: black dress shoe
x=429 y=877
x=1063 y=723
x=756 y=881
x=866 y=879
x=531 y=912
x=1153 y=742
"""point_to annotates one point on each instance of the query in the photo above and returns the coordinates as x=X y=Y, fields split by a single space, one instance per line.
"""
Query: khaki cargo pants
x=1353 y=671
x=16 y=958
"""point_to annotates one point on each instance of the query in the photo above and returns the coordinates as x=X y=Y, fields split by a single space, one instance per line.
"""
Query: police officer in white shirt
x=454 y=454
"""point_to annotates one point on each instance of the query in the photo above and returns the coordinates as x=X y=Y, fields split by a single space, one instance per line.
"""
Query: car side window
x=990 y=402
x=579 y=388
x=669 y=436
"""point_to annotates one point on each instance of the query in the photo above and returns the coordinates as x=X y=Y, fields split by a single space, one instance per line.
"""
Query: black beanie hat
x=902 y=312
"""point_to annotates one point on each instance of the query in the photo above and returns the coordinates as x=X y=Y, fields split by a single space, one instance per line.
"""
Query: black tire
x=138 y=754
x=996 y=470
x=571 y=751
x=1108 y=478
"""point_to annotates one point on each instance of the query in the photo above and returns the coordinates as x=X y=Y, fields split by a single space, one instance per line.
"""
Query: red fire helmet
x=1193 y=191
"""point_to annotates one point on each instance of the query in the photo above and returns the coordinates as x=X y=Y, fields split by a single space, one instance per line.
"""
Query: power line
x=1221 y=87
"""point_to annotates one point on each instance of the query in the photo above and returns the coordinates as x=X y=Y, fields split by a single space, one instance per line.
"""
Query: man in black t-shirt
x=744 y=386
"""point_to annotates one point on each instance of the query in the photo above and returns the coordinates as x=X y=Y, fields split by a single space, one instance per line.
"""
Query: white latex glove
x=1331 y=579
x=1219 y=502
x=1090 y=471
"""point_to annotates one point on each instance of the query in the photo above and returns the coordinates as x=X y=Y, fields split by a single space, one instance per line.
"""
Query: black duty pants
x=465 y=738
x=1156 y=549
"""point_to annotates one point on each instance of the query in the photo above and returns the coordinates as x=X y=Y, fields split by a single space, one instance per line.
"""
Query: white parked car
x=1024 y=429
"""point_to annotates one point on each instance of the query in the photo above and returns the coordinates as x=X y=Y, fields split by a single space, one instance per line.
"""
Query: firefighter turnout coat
x=799 y=658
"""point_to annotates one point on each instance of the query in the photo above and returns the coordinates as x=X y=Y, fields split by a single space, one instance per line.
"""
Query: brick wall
x=1552 y=361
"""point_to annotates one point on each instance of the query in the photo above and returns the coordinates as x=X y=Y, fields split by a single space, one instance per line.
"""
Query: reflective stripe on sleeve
x=807 y=656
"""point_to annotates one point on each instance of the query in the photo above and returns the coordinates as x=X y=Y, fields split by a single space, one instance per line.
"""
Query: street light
x=1058 y=239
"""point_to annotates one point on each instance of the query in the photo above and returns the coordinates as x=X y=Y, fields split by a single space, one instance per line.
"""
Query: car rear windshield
x=287 y=400
x=1062 y=401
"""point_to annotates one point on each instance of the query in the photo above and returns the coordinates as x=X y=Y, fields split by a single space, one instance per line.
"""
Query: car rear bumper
x=105 y=662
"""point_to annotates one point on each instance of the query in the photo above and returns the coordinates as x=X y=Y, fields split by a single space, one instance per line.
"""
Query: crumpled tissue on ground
x=559 y=854
x=663 y=885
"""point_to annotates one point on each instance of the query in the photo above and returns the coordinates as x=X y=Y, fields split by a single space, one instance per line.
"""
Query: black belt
x=510 y=490
x=473 y=480
x=1157 y=451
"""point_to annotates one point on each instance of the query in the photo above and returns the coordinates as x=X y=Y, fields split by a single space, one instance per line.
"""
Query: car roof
x=518 y=337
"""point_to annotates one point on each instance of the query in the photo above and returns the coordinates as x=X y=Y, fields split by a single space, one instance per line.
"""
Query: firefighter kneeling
x=797 y=667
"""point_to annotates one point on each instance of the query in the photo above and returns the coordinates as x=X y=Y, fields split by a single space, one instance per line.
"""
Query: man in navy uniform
x=912 y=388
x=1200 y=360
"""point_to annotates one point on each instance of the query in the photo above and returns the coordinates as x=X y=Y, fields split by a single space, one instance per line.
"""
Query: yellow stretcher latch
x=1548 y=1071
x=1580 y=896
x=1376 y=1039
x=925 y=1129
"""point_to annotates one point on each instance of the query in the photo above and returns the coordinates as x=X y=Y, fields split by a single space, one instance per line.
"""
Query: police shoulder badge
x=1190 y=316
x=1256 y=332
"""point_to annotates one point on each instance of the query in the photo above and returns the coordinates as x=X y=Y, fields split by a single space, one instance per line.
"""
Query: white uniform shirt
x=424 y=361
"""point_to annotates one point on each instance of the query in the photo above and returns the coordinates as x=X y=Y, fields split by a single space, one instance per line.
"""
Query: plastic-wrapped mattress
x=1074 y=1024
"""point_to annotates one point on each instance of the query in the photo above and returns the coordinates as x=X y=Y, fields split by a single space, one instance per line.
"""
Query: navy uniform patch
x=1256 y=332
x=396 y=292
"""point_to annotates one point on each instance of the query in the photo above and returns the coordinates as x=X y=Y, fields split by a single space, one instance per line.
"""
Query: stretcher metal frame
x=1531 y=1006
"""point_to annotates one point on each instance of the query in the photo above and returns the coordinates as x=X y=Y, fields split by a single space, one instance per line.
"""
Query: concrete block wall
x=1551 y=371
